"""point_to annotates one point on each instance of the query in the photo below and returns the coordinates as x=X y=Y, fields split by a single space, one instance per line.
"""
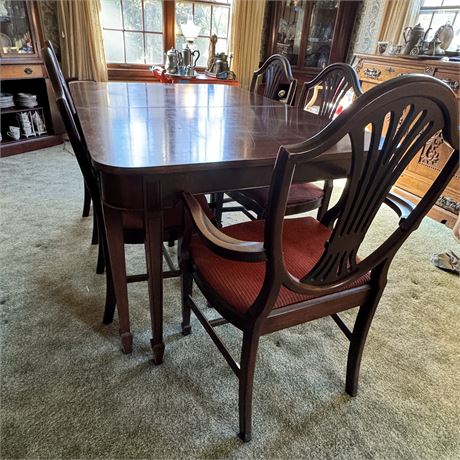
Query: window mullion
x=123 y=27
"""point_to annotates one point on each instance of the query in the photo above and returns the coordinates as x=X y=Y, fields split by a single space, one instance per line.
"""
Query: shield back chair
x=133 y=223
x=273 y=80
x=324 y=93
x=264 y=276
x=63 y=82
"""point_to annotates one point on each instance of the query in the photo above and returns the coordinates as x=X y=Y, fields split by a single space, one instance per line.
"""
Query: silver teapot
x=173 y=61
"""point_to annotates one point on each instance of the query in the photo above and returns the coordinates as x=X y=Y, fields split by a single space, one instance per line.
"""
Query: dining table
x=150 y=142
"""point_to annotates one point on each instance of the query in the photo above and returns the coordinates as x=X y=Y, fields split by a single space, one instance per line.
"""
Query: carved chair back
x=417 y=108
x=275 y=72
x=328 y=88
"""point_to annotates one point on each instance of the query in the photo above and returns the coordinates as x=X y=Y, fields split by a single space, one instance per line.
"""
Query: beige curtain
x=82 y=48
x=246 y=38
x=398 y=15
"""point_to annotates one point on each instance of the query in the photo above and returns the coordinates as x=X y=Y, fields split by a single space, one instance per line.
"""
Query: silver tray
x=182 y=77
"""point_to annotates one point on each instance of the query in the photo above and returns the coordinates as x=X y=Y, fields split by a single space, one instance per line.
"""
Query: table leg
x=115 y=241
x=154 y=256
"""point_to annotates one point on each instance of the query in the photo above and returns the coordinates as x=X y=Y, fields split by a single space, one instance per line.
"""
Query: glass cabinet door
x=289 y=35
x=321 y=30
x=15 y=32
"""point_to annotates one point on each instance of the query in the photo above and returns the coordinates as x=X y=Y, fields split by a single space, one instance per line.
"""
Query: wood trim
x=27 y=145
x=169 y=24
x=36 y=35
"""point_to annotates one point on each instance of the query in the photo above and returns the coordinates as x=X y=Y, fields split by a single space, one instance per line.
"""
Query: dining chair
x=267 y=275
x=132 y=222
x=273 y=80
x=323 y=95
x=62 y=81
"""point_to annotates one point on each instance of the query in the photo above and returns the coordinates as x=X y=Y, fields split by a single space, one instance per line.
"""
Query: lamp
x=190 y=30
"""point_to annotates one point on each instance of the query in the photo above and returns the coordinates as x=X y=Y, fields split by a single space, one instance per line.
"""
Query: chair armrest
x=220 y=243
x=401 y=206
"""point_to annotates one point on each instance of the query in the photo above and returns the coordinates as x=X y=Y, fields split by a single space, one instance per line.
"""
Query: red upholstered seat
x=239 y=283
x=299 y=193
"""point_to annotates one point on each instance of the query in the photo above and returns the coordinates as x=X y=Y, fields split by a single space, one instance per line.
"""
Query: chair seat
x=239 y=283
x=299 y=193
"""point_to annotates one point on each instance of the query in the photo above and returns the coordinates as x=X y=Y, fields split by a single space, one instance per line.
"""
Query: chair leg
x=100 y=264
x=186 y=276
x=218 y=203
x=86 y=202
x=187 y=285
x=357 y=342
x=328 y=185
x=246 y=378
x=110 y=300
x=95 y=237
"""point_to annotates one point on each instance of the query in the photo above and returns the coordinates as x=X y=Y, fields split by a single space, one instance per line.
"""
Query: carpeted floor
x=68 y=392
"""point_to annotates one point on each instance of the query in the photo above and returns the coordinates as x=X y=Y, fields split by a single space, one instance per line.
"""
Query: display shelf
x=18 y=110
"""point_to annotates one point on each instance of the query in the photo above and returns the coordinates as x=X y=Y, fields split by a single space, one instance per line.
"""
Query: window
x=436 y=13
x=137 y=33
x=213 y=17
x=133 y=31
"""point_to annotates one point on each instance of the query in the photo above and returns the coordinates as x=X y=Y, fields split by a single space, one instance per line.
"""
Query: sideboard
x=374 y=69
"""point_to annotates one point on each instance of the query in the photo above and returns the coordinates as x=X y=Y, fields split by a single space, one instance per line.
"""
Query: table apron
x=125 y=192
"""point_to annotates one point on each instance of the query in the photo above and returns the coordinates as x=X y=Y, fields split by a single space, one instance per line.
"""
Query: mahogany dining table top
x=150 y=142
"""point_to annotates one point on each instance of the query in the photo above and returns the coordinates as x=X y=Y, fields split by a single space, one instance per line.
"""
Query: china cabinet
x=26 y=119
x=414 y=182
x=311 y=34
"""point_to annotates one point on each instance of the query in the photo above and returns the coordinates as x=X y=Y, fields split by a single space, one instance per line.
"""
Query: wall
x=48 y=19
x=367 y=26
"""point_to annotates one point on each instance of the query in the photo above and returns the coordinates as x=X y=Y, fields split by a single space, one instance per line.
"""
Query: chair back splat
x=267 y=276
x=333 y=83
x=417 y=108
x=276 y=72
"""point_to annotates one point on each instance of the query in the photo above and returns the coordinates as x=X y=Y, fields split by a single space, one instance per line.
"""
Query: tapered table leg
x=154 y=256
x=115 y=241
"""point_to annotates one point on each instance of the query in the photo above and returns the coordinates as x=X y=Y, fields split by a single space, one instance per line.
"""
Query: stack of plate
x=6 y=100
x=26 y=100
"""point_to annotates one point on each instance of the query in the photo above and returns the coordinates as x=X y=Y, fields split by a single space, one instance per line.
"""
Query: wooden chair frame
x=130 y=236
x=335 y=81
x=277 y=71
x=418 y=107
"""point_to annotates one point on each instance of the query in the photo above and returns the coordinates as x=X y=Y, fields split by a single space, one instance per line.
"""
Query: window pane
x=451 y=3
x=202 y=18
x=180 y=42
x=113 y=45
x=440 y=18
x=455 y=45
x=153 y=15
x=202 y=45
x=154 y=49
x=134 y=42
x=431 y=3
x=183 y=9
x=111 y=14
x=220 y=21
x=221 y=46
x=132 y=14
x=425 y=20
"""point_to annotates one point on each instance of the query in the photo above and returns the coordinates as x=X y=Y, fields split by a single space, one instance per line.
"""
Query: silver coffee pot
x=188 y=55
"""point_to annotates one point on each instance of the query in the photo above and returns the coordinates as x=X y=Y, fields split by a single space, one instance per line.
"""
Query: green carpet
x=68 y=392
